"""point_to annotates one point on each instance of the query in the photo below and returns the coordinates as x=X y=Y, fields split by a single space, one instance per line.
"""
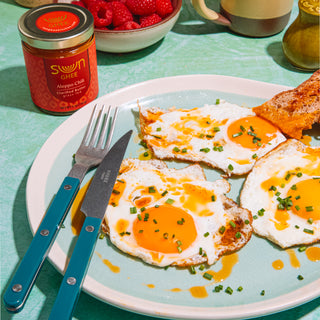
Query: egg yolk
x=251 y=132
x=165 y=229
x=305 y=199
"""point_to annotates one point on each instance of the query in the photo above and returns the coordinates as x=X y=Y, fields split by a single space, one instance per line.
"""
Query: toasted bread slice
x=294 y=110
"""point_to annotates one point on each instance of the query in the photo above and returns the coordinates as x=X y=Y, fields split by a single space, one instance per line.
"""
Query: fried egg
x=170 y=216
x=283 y=193
x=224 y=136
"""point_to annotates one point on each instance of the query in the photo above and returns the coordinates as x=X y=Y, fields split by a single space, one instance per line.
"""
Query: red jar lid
x=56 y=26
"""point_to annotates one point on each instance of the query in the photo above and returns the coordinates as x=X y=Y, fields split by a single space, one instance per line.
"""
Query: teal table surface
x=194 y=46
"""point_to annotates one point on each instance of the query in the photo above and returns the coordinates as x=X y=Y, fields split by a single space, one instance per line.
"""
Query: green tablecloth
x=194 y=46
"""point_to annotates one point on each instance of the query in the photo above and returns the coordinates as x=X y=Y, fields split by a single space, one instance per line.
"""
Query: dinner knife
x=24 y=278
x=93 y=206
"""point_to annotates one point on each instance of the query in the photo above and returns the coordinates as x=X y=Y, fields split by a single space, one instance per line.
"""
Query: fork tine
x=89 y=126
x=97 y=128
x=107 y=146
x=104 y=129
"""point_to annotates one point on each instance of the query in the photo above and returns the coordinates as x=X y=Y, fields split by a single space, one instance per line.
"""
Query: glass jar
x=301 y=42
x=60 y=55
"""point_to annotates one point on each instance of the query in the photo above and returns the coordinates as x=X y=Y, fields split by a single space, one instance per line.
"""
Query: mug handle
x=205 y=12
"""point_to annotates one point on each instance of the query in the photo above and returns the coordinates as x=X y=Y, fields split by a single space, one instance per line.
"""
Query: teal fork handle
x=29 y=268
x=77 y=268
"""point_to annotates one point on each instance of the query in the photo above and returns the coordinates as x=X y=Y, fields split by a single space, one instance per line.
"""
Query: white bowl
x=133 y=40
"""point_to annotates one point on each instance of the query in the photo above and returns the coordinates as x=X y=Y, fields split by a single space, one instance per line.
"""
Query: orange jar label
x=57 y=21
x=63 y=85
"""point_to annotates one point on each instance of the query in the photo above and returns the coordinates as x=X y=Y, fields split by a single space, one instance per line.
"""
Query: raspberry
x=149 y=20
x=121 y=14
x=141 y=7
x=164 y=7
x=102 y=13
x=129 y=25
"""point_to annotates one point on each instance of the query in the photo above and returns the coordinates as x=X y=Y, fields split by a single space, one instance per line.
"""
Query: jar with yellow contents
x=301 y=42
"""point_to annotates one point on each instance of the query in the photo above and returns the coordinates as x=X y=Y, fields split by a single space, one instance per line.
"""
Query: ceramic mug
x=254 y=18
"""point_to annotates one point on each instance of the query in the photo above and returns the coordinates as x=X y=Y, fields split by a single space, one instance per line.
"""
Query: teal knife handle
x=28 y=270
x=72 y=281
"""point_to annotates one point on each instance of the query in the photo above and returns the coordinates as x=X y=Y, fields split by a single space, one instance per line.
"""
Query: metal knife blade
x=94 y=206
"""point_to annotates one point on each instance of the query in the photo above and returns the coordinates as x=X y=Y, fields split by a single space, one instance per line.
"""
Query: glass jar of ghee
x=60 y=56
x=301 y=42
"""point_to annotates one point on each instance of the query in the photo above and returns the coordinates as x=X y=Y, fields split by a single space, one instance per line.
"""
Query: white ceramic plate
x=145 y=289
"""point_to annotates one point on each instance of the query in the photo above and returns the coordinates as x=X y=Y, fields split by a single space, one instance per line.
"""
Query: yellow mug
x=253 y=18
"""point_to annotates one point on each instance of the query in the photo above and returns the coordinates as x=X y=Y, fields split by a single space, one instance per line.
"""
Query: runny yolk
x=165 y=229
x=305 y=199
x=251 y=132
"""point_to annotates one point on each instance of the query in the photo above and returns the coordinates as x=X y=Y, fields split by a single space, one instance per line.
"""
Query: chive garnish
x=229 y=290
x=232 y=224
x=133 y=210
x=208 y=276
x=169 y=201
x=152 y=189
x=308 y=231
x=206 y=150
x=230 y=167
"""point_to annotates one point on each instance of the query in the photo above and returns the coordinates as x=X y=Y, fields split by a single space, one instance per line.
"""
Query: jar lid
x=56 y=26
x=310 y=6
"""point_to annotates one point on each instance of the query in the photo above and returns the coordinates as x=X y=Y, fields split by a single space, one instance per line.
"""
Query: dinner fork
x=93 y=148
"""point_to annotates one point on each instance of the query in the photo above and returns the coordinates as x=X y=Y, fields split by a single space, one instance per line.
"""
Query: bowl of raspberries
x=130 y=25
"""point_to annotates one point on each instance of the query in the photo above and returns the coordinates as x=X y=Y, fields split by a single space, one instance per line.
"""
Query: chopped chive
x=119 y=180
x=287 y=177
x=273 y=188
x=146 y=217
x=309 y=208
x=184 y=150
x=192 y=270
x=261 y=212
x=308 y=231
x=218 y=101
x=251 y=128
x=229 y=290
x=242 y=128
x=297 y=227
x=263 y=292
x=208 y=276
x=146 y=154
x=101 y=236
x=139 y=217
x=156 y=206
x=301 y=249
x=157 y=137
x=232 y=224
x=164 y=193
x=158 y=129
x=230 y=167
x=255 y=217
x=222 y=229
x=169 y=201
x=155 y=221
x=166 y=235
x=206 y=150
x=201 y=135
x=213 y=198
x=299 y=174
x=240 y=289
x=298 y=197
x=238 y=134
x=143 y=143
x=216 y=129
x=310 y=220
x=294 y=187
x=218 y=288
x=115 y=191
x=300 y=277
x=140 y=231
x=297 y=208
x=179 y=243
x=200 y=251
x=201 y=268
x=254 y=156
x=238 y=235
x=176 y=149
x=246 y=221
x=179 y=249
x=209 y=136
x=133 y=210
x=206 y=234
x=152 y=189
x=157 y=230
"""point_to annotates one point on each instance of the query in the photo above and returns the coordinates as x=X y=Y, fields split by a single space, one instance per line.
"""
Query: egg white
x=139 y=174
x=234 y=159
x=288 y=157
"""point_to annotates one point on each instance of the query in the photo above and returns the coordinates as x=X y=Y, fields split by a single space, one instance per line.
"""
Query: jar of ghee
x=60 y=56
x=301 y=42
